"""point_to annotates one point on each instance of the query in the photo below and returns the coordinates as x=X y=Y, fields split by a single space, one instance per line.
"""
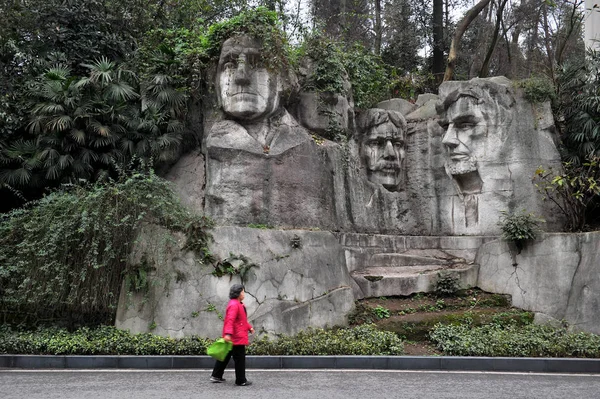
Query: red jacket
x=236 y=323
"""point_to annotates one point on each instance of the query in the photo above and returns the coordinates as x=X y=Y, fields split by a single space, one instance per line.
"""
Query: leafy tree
x=401 y=46
x=82 y=127
x=578 y=108
x=575 y=190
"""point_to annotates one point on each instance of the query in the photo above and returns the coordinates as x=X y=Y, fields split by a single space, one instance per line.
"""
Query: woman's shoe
x=244 y=384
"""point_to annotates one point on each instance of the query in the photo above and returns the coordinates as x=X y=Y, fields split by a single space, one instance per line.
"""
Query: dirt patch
x=413 y=317
x=420 y=349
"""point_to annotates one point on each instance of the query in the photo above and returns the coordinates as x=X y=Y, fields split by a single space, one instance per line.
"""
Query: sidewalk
x=436 y=363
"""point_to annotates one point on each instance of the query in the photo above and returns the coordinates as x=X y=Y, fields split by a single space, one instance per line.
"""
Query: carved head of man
x=247 y=90
x=383 y=143
x=326 y=113
x=475 y=115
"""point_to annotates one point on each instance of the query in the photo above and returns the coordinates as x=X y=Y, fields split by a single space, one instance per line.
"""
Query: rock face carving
x=382 y=146
x=399 y=182
x=261 y=165
x=246 y=89
x=327 y=114
x=492 y=147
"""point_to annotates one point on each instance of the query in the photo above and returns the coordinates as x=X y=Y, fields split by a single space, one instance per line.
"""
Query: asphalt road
x=294 y=384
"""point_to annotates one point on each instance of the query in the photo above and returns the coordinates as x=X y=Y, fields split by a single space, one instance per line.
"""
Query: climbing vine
x=67 y=254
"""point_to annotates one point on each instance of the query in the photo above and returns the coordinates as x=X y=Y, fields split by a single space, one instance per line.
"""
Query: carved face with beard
x=466 y=129
x=383 y=146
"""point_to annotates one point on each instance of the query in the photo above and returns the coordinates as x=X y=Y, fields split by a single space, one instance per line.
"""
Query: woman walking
x=235 y=330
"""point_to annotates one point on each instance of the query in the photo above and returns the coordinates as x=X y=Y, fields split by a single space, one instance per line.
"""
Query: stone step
x=406 y=280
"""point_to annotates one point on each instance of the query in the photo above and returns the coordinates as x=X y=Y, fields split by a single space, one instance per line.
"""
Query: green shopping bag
x=219 y=349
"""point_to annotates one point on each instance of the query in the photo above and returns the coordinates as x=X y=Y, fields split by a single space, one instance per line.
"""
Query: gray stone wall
x=300 y=281
x=557 y=276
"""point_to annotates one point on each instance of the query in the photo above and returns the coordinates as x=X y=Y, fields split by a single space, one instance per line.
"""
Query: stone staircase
x=386 y=265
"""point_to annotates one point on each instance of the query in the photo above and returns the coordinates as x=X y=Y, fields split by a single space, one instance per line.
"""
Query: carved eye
x=229 y=65
x=398 y=143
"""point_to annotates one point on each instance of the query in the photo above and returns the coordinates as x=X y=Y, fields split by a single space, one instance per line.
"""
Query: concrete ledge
x=434 y=363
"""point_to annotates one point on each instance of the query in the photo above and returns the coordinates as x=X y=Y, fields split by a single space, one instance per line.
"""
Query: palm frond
x=78 y=136
x=15 y=177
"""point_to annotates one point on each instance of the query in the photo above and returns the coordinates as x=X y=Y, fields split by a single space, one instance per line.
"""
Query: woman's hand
x=252 y=330
x=227 y=338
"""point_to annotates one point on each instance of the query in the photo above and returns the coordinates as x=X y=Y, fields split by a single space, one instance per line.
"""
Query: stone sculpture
x=325 y=113
x=382 y=146
x=489 y=154
x=261 y=165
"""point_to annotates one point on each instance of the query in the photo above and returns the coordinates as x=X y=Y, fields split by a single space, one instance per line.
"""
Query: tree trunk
x=458 y=34
x=573 y=21
x=485 y=68
x=547 y=41
x=377 y=27
x=438 y=39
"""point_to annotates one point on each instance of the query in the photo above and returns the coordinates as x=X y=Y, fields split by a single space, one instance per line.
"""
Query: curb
x=432 y=363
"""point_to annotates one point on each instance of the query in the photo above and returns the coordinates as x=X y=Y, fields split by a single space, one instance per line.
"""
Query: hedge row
x=514 y=341
x=362 y=340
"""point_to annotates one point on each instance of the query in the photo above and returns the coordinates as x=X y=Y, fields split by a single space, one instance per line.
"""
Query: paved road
x=294 y=384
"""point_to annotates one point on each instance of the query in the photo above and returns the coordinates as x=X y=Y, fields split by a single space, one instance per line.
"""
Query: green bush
x=519 y=227
x=447 y=284
x=99 y=341
x=514 y=341
x=537 y=89
x=70 y=252
x=363 y=340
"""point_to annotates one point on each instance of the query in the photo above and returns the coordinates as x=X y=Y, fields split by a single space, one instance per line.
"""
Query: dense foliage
x=363 y=340
x=575 y=190
x=101 y=340
x=579 y=108
x=66 y=255
x=515 y=341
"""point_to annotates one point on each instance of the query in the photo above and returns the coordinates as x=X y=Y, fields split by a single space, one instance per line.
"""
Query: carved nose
x=388 y=150
x=242 y=73
x=450 y=138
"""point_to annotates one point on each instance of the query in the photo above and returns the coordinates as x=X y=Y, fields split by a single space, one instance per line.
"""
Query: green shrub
x=510 y=339
x=575 y=190
x=362 y=340
x=99 y=341
x=447 y=284
x=537 y=89
x=364 y=314
x=381 y=312
x=519 y=227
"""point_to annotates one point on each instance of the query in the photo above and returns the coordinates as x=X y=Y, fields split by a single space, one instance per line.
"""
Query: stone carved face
x=319 y=112
x=323 y=112
x=383 y=147
x=476 y=119
x=246 y=89
x=466 y=131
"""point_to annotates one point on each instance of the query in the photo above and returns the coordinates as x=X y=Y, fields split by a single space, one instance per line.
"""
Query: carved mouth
x=391 y=168
x=459 y=156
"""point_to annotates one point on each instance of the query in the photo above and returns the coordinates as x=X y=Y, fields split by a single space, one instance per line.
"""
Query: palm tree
x=85 y=126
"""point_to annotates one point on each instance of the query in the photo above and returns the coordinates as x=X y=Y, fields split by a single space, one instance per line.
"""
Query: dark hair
x=374 y=117
x=235 y=291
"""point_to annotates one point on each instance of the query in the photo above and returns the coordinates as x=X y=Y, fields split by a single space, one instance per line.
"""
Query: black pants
x=238 y=352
